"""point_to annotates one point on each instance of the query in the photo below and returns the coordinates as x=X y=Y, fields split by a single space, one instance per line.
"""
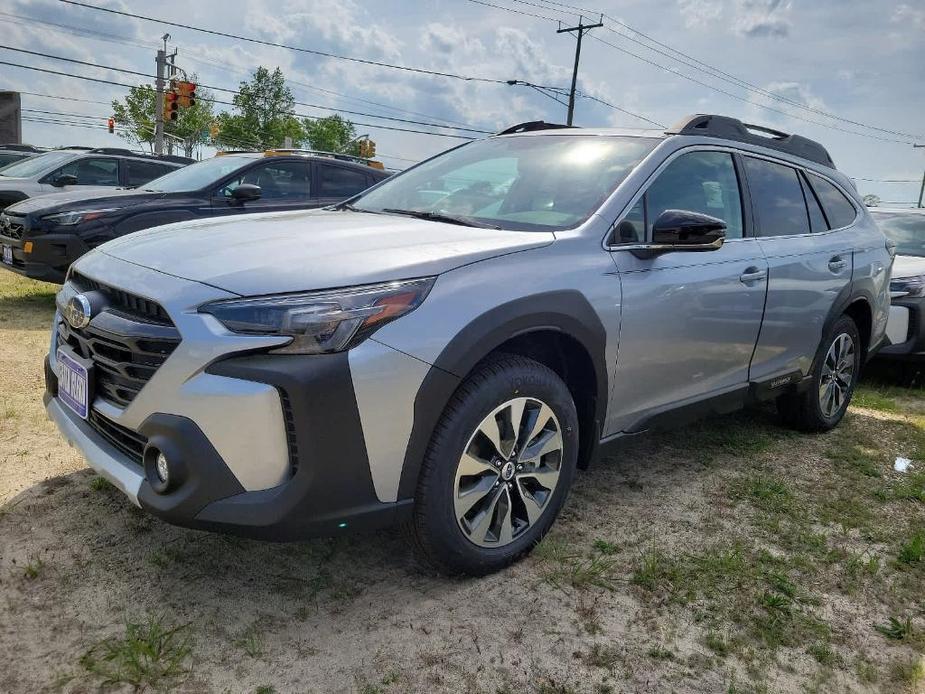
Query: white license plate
x=8 y=255
x=73 y=382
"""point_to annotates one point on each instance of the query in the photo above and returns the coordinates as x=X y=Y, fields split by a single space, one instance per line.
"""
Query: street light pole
x=922 y=189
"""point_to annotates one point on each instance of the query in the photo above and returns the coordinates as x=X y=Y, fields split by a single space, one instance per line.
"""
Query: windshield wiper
x=350 y=207
x=442 y=217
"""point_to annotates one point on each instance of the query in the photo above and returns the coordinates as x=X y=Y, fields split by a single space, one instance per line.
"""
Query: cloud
x=700 y=13
x=909 y=15
x=762 y=18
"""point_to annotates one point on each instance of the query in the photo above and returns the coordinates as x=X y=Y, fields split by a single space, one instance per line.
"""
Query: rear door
x=690 y=319
x=284 y=185
x=810 y=264
x=136 y=172
x=334 y=183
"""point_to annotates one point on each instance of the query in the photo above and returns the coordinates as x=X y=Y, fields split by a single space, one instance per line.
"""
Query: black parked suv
x=41 y=237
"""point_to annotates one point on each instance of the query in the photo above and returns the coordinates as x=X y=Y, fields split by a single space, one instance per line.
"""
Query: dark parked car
x=11 y=153
x=41 y=237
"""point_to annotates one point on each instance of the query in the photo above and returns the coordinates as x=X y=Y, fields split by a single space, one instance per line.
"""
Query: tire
x=823 y=404
x=471 y=512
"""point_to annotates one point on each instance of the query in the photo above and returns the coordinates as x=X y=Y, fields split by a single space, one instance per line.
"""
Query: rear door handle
x=752 y=274
x=837 y=264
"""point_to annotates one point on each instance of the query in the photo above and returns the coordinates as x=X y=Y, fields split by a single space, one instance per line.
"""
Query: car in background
x=906 y=326
x=66 y=169
x=40 y=238
x=11 y=153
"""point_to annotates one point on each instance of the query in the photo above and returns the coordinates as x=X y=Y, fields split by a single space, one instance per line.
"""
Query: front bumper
x=49 y=258
x=905 y=330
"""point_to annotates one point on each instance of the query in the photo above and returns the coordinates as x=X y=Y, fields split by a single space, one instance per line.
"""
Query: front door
x=284 y=185
x=690 y=319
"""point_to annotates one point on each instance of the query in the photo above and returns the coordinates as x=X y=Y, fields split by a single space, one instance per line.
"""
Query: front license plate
x=73 y=382
x=8 y=255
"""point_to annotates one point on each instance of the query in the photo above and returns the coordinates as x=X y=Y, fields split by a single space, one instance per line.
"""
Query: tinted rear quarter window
x=777 y=197
x=838 y=209
x=140 y=172
x=339 y=182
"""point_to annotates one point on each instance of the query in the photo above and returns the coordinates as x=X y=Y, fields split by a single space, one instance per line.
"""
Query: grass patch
x=897 y=629
x=913 y=550
x=882 y=399
x=718 y=644
x=824 y=654
x=33 y=568
x=909 y=672
x=251 y=642
x=603 y=656
x=767 y=493
x=100 y=484
x=151 y=654
x=563 y=566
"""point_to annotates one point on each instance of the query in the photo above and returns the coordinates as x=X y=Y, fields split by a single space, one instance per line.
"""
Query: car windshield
x=907 y=230
x=197 y=176
x=530 y=183
x=34 y=166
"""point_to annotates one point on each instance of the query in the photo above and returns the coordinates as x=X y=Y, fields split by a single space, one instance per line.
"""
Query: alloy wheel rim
x=508 y=472
x=837 y=375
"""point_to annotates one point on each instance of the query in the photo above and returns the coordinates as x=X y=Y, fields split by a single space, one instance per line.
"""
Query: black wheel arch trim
x=567 y=312
x=847 y=297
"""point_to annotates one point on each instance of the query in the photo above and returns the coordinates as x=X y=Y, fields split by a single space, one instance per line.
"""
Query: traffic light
x=170 y=105
x=187 y=94
x=112 y=125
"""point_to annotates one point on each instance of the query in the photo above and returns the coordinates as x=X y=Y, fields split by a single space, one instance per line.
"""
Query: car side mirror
x=64 y=180
x=245 y=193
x=684 y=230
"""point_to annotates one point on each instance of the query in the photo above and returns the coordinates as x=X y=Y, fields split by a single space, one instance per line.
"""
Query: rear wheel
x=822 y=406
x=498 y=468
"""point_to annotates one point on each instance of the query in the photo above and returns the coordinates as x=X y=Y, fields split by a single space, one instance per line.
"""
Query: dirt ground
x=728 y=556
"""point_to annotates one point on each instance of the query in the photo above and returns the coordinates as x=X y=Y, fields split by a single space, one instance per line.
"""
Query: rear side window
x=337 y=182
x=283 y=180
x=816 y=218
x=777 y=198
x=839 y=211
x=140 y=172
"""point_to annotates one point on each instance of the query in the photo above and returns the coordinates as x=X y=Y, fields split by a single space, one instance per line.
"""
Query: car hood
x=93 y=198
x=316 y=249
x=908 y=266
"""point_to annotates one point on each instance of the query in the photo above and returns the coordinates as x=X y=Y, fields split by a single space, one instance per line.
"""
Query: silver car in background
x=447 y=348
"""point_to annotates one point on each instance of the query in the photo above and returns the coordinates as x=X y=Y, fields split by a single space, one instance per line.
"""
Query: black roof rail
x=707 y=125
x=16 y=147
x=175 y=158
x=80 y=147
x=532 y=125
x=115 y=150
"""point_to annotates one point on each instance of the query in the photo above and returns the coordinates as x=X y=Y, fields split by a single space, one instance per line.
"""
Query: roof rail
x=80 y=147
x=707 y=125
x=114 y=150
x=280 y=151
x=17 y=147
x=532 y=125
x=174 y=158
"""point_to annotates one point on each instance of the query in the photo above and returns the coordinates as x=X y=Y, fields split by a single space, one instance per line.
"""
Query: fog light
x=27 y=247
x=162 y=469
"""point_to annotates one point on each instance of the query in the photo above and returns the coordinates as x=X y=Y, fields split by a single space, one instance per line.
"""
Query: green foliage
x=913 y=551
x=148 y=655
x=263 y=117
x=897 y=629
x=331 y=134
x=136 y=113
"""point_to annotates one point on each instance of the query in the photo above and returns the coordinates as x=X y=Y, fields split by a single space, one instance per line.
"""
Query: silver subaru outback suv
x=449 y=347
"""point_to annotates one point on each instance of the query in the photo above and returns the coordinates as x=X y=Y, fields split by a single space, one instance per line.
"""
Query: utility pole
x=922 y=189
x=159 y=84
x=581 y=29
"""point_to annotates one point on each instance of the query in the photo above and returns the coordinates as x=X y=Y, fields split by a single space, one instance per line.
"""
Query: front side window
x=341 y=182
x=838 y=209
x=284 y=180
x=777 y=198
x=906 y=229
x=92 y=172
x=530 y=182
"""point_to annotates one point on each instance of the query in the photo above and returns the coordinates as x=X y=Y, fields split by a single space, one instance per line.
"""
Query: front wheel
x=822 y=406
x=498 y=468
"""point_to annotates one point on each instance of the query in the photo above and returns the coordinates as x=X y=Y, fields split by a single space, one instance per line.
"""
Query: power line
x=700 y=65
x=886 y=180
x=273 y=44
x=109 y=38
x=235 y=92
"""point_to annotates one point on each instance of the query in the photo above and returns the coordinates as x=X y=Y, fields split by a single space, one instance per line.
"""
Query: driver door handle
x=837 y=264
x=752 y=274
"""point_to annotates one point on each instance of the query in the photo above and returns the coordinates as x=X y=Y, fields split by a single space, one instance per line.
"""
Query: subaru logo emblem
x=77 y=312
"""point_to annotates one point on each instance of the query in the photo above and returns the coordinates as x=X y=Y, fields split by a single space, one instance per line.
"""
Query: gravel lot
x=727 y=556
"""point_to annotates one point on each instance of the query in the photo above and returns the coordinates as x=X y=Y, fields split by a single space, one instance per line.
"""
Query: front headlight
x=66 y=219
x=903 y=287
x=325 y=321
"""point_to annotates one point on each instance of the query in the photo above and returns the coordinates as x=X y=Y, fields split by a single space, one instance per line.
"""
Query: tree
x=331 y=134
x=263 y=117
x=136 y=116
x=871 y=200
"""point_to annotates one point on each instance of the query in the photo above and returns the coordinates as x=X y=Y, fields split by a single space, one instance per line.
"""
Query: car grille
x=11 y=227
x=130 y=443
x=128 y=341
x=130 y=304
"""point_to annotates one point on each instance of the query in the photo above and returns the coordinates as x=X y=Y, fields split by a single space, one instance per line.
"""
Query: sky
x=846 y=73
